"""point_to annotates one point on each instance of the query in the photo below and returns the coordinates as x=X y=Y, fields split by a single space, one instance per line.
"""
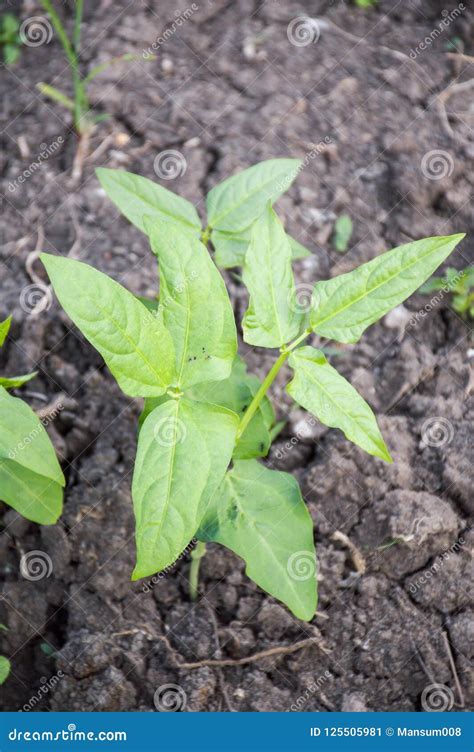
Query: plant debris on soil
x=228 y=89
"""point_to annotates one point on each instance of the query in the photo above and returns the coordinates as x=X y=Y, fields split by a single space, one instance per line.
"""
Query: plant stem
x=196 y=556
x=268 y=381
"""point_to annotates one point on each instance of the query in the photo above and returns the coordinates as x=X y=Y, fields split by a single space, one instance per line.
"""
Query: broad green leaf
x=32 y=495
x=23 y=439
x=260 y=515
x=4 y=668
x=137 y=197
x=343 y=307
x=136 y=346
x=321 y=390
x=4 y=329
x=12 y=382
x=272 y=318
x=230 y=249
x=184 y=448
x=194 y=306
x=235 y=393
x=342 y=233
x=237 y=202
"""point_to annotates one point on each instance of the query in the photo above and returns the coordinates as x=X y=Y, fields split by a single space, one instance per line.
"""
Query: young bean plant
x=207 y=422
x=31 y=480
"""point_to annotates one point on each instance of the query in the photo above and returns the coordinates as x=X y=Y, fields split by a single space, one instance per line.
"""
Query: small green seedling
x=31 y=480
x=206 y=421
x=365 y=3
x=459 y=284
x=10 y=42
x=5 y=668
x=342 y=233
x=84 y=118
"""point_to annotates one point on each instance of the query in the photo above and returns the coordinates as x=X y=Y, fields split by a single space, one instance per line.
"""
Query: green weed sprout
x=206 y=421
x=84 y=118
x=10 y=42
x=459 y=284
x=31 y=480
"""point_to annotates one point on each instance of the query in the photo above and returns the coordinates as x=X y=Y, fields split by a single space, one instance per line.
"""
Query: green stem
x=196 y=556
x=71 y=51
x=268 y=381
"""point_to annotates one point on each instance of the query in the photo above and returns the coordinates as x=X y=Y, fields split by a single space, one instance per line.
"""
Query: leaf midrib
x=376 y=287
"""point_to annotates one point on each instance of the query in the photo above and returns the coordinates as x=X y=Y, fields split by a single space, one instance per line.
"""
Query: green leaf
x=342 y=233
x=194 y=306
x=11 y=53
x=272 y=318
x=260 y=515
x=237 y=202
x=137 y=197
x=184 y=448
x=4 y=329
x=12 y=382
x=5 y=667
x=133 y=342
x=24 y=440
x=151 y=304
x=343 y=307
x=235 y=393
x=321 y=390
x=230 y=249
x=298 y=250
x=32 y=495
x=31 y=479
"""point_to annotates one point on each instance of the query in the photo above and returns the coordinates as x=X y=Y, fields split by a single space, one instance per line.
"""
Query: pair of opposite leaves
x=31 y=480
x=140 y=354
